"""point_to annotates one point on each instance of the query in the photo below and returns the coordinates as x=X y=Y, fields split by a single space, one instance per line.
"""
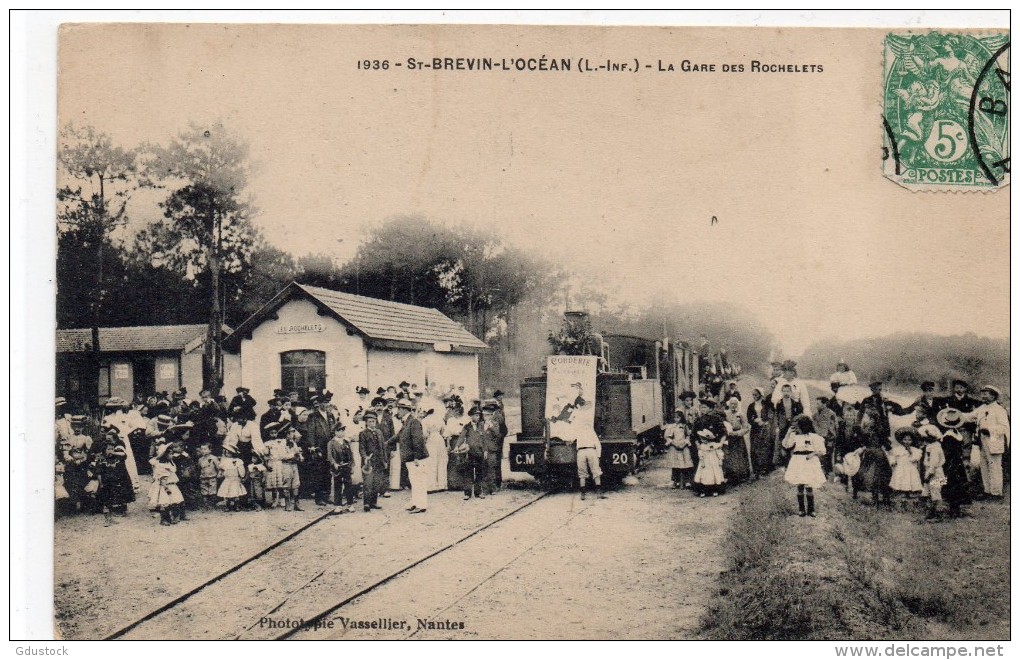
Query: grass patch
x=796 y=579
x=858 y=573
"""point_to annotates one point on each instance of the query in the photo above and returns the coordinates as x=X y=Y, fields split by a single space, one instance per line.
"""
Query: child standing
x=678 y=450
x=710 y=434
x=341 y=460
x=257 y=482
x=75 y=478
x=208 y=472
x=164 y=495
x=115 y=489
x=905 y=459
x=934 y=475
x=805 y=467
x=282 y=479
x=233 y=473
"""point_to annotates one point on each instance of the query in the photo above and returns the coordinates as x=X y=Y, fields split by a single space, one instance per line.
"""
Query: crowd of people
x=951 y=452
x=212 y=453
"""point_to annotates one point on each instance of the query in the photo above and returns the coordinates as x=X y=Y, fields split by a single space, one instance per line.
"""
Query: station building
x=309 y=339
x=135 y=361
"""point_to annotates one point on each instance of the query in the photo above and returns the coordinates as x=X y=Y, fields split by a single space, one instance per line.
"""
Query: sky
x=615 y=175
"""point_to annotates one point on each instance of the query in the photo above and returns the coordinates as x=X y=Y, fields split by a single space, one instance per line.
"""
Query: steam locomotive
x=638 y=383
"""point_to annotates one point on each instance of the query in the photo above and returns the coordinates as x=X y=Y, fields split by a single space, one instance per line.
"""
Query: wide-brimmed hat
x=991 y=389
x=369 y=414
x=490 y=405
x=475 y=410
x=242 y=388
x=115 y=402
x=110 y=429
x=360 y=389
x=406 y=404
x=229 y=448
x=59 y=402
x=79 y=419
x=166 y=421
x=949 y=418
x=497 y=394
x=180 y=429
x=162 y=448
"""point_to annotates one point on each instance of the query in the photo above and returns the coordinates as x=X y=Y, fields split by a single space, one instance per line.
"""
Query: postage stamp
x=946 y=110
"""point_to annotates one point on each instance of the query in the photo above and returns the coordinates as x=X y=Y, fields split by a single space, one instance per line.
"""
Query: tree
x=269 y=269
x=206 y=227
x=92 y=204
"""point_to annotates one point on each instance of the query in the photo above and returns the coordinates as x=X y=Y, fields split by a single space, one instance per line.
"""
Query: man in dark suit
x=411 y=443
x=881 y=409
x=245 y=401
x=385 y=425
x=786 y=409
x=927 y=400
x=375 y=457
x=274 y=414
x=472 y=442
x=958 y=399
x=492 y=415
x=315 y=436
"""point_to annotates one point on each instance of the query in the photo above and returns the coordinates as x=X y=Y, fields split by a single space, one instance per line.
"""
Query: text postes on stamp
x=946 y=110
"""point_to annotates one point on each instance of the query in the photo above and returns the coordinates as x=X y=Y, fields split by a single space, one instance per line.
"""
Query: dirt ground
x=636 y=565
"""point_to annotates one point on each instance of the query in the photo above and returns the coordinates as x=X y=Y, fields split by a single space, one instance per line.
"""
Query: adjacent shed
x=134 y=361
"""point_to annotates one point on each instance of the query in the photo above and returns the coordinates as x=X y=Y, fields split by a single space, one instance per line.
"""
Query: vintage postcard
x=486 y=332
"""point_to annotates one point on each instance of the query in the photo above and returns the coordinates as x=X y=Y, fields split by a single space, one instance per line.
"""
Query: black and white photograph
x=529 y=332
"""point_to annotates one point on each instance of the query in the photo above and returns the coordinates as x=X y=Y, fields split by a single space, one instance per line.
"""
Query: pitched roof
x=379 y=321
x=137 y=338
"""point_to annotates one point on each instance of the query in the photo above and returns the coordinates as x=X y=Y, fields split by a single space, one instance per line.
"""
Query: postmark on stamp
x=946 y=110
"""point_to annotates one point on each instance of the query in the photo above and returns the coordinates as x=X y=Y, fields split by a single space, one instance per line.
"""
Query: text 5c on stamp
x=946 y=110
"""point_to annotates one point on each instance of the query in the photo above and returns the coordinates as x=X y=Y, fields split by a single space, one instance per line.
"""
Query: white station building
x=308 y=339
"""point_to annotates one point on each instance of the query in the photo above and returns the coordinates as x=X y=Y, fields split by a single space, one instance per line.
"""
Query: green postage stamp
x=946 y=110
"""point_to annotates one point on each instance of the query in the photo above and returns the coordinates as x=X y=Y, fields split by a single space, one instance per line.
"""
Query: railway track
x=240 y=581
x=314 y=623
x=213 y=580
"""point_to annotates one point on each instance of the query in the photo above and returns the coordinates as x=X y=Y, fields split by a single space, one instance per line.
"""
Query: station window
x=303 y=372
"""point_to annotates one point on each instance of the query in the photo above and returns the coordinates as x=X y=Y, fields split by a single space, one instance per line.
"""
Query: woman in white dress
x=436 y=463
